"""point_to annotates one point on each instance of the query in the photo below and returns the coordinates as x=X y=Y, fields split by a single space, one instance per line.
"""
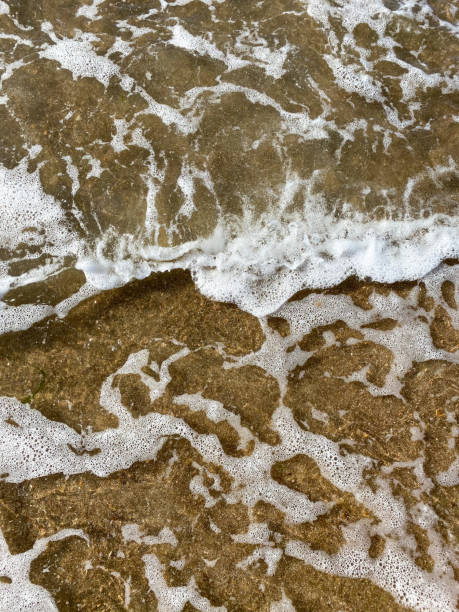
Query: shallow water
x=228 y=324
x=266 y=146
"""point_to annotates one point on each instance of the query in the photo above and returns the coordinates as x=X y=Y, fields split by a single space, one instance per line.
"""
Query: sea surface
x=229 y=267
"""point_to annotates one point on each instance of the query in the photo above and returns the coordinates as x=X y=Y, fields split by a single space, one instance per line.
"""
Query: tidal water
x=229 y=333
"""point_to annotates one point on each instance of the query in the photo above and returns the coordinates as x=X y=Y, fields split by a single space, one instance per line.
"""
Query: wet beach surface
x=229 y=374
x=175 y=453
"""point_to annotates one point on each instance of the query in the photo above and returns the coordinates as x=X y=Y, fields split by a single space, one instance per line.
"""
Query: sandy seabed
x=164 y=451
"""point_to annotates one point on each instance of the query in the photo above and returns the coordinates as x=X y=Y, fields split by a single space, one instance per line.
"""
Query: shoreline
x=61 y=292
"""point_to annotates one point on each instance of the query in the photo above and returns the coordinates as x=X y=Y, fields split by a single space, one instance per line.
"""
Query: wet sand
x=163 y=447
x=188 y=522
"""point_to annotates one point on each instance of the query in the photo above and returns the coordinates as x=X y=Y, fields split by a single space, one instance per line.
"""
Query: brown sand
x=58 y=366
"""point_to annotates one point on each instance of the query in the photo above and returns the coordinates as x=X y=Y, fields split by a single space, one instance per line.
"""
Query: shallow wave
x=267 y=263
x=265 y=148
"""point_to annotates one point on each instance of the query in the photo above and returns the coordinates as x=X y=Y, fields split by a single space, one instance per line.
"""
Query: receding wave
x=266 y=148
